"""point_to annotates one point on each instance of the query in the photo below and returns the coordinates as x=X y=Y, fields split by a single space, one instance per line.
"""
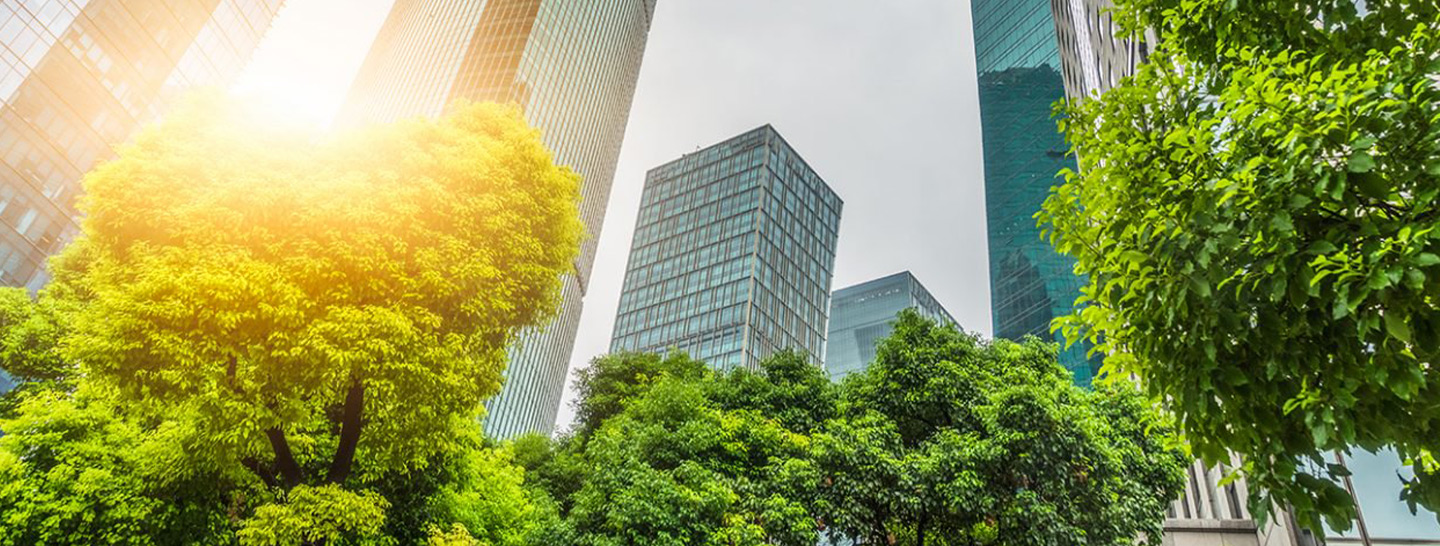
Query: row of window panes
x=673 y=223
x=683 y=283
x=642 y=314
x=669 y=333
x=646 y=267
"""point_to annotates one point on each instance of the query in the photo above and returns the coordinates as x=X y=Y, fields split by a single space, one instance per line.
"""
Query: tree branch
x=260 y=470
x=350 y=424
x=284 y=459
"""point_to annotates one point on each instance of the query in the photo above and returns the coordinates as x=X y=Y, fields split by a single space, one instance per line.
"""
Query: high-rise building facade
x=1018 y=62
x=79 y=76
x=732 y=257
x=863 y=314
x=1094 y=56
x=572 y=65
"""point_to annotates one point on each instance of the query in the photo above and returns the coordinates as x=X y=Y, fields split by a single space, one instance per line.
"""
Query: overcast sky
x=878 y=96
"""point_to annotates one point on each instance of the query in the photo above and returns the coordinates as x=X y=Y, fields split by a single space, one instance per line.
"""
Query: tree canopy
x=272 y=327
x=1256 y=211
x=948 y=440
x=945 y=439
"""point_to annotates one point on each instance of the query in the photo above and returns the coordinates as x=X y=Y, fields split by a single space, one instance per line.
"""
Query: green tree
x=1256 y=214
x=788 y=388
x=82 y=469
x=945 y=439
x=277 y=333
x=611 y=381
x=30 y=332
x=669 y=452
x=297 y=290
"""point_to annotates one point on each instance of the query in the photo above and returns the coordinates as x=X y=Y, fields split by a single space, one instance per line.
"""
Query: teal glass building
x=863 y=314
x=732 y=257
x=572 y=66
x=1019 y=71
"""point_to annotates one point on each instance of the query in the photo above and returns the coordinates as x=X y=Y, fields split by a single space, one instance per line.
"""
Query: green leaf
x=1372 y=185
x=1396 y=326
x=1322 y=247
x=1282 y=223
x=1361 y=162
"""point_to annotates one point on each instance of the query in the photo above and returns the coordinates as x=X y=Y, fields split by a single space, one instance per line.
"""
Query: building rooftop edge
x=768 y=127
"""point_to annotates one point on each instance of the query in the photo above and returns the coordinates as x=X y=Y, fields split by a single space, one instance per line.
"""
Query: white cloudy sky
x=878 y=96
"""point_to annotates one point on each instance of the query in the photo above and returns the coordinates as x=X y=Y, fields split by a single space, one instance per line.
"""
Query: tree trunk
x=920 y=531
x=350 y=423
x=260 y=470
x=284 y=459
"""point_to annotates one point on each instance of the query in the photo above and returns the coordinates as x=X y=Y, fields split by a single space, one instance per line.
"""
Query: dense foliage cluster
x=944 y=440
x=277 y=337
x=1256 y=211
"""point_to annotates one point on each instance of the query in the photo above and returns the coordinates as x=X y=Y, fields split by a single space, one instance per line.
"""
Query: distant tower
x=733 y=255
x=78 y=77
x=572 y=66
x=864 y=314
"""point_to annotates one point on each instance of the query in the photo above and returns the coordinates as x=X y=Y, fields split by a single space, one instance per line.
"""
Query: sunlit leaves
x=316 y=515
x=246 y=295
x=257 y=273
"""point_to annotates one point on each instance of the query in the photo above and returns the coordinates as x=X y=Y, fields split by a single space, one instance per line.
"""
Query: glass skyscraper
x=78 y=76
x=572 y=66
x=864 y=314
x=732 y=257
x=1018 y=61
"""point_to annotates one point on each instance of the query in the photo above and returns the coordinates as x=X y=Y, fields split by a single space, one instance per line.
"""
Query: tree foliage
x=280 y=337
x=611 y=381
x=30 y=333
x=283 y=284
x=658 y=458
x=944 y=440
x=1256 y=213
x=82 y=469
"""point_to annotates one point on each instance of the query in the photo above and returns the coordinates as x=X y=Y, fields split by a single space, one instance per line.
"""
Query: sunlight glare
x=303 y=69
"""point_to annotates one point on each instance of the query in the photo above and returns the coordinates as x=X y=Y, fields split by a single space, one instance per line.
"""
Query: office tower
x=864 y=314
x=572 y=66
x=732 y=257
x=1018 y=62
x=77 y=77
x=1093 y=57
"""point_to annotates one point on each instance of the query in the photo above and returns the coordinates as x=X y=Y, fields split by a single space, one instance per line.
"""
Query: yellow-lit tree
x=323 y=310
